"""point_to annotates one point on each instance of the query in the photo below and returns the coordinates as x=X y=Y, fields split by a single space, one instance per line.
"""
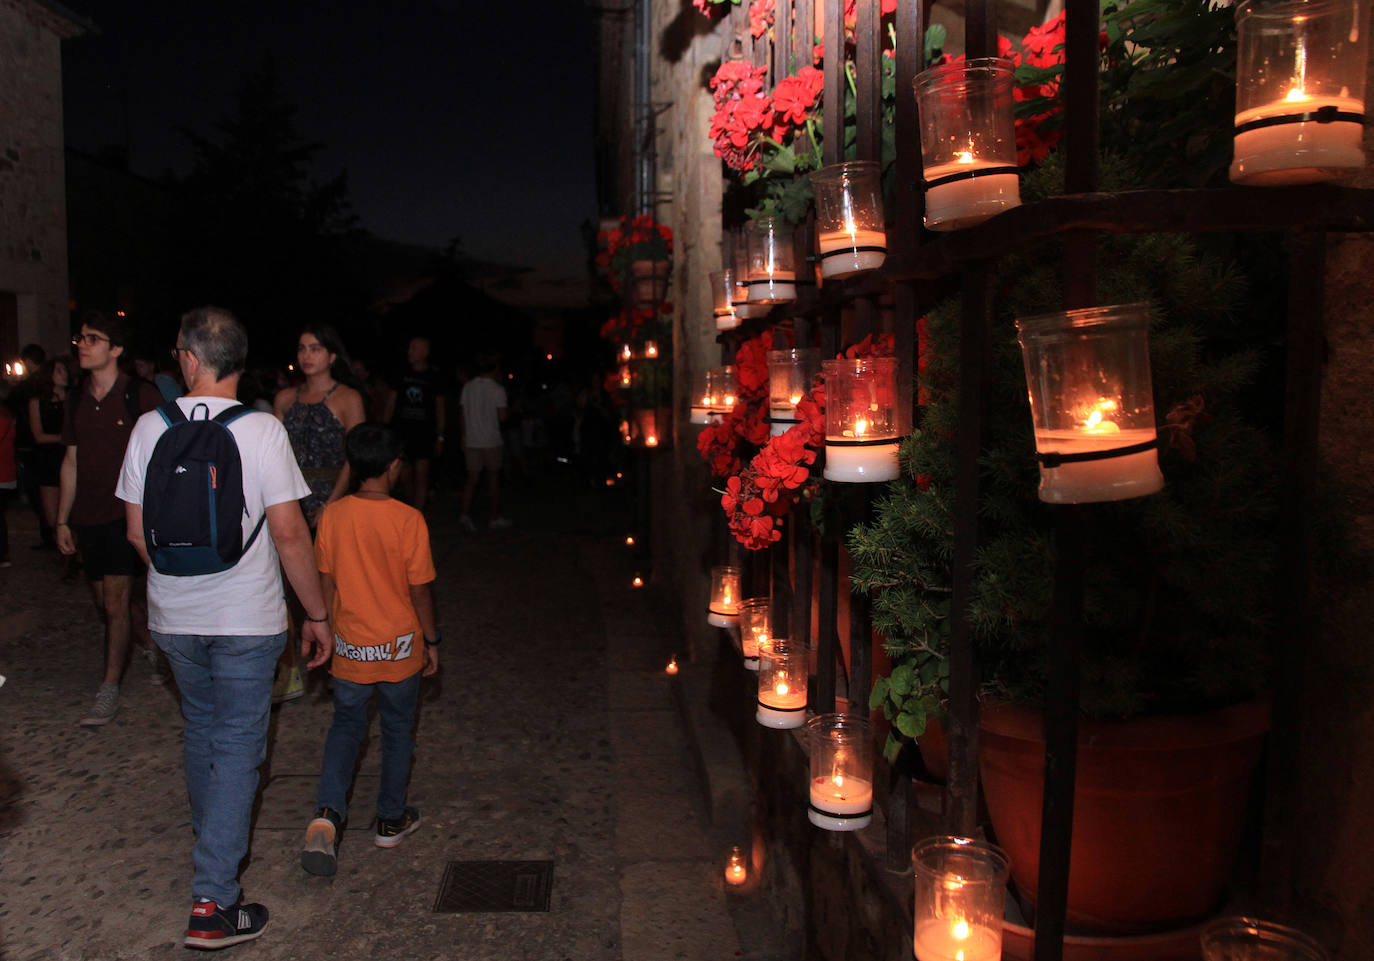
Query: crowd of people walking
x=236 y=550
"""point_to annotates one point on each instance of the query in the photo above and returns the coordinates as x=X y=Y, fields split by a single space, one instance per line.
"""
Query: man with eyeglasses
x=99 y=418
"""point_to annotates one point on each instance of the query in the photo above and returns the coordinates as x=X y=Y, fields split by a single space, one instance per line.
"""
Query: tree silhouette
x=256 y=233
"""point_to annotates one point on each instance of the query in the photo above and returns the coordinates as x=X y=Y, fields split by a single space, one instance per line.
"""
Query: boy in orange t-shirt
x=375 y=566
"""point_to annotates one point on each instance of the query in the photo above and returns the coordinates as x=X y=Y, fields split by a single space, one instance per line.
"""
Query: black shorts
x=106 y=550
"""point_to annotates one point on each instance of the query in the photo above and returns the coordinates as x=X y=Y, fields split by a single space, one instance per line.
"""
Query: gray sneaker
x=104 y=708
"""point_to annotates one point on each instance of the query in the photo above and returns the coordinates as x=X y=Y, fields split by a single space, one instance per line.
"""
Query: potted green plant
x=639 y=255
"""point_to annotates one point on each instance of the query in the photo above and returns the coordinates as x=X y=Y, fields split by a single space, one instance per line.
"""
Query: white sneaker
x=105 y=707
x=499 y=523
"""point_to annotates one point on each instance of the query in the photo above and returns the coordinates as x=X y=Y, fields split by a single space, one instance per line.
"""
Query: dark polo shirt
x=99 y=429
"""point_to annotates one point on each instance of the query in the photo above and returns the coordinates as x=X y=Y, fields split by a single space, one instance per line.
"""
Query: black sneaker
x=390 y=833
x=321 y=852
x=213 y=927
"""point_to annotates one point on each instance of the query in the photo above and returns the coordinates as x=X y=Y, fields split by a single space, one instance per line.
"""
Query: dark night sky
x=452 y=118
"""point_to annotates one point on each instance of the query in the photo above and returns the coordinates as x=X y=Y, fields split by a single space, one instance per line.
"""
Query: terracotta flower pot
x=1159 y=809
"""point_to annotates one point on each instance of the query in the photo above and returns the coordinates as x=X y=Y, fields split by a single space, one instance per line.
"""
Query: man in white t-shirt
x=483 y=405
x=223 y=632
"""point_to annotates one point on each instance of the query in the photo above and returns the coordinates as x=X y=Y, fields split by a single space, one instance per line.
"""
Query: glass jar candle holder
x=1251 y=939
x=624 y=376
x=861 y=432
x=723 y=610
x=739 y=300
x=772 y=277
x=841 y=772
x=791 y=375
x=1088 y=373
x=782 y=685
x=850 y=232
x=754 y=634
x=961 y=889
x=722 y=390
x=722 y=293
x=968 y=142
x=1300 y=79
x=699 y=411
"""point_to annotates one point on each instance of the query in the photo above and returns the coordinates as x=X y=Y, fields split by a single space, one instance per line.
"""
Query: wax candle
x=780 y=706
x=723 y=610
x=736 y=872
x=1301 y=152
x=699 y=414
x=727 y=320
x=841 y=802
x=773 y=287
x=956 y=940
x=850 y=251
x=971 y=196
x=862 y=464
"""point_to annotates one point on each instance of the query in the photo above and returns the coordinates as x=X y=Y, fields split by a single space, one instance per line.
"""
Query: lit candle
x=968 y=196
x=630 y=540
x=672 y=666
x=728 y=320
x=773 y=286
x=1107 y=479
x=723 y=610
x=851 y=250
x=1298 y=152
x=736 y=873
x=626 y=352
x=650 y=349
x=637 y=582
x=780 y=706
x=957 y=940
x=752 y=641
x=841 y=802
x=651 y=441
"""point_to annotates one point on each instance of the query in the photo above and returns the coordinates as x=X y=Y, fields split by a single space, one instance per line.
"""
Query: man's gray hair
x=217 y=339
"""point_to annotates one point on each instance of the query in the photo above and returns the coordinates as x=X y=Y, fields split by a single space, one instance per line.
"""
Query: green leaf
x=901 y=680
x=912 y=725
x=879 y=693
x=891 y=748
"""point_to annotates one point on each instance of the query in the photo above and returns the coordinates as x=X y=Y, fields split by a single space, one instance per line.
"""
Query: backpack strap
x=224 y=418
x=171 y=413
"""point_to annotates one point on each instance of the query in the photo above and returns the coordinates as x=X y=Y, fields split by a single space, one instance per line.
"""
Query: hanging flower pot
x=1300 y=78
x=650 y=282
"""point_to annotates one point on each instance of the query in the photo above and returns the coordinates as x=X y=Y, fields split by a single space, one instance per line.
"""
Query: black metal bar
x=782 y=20
x=860 y=620
x=1061 y=733
x=867 y=82
x=1306 y=354
x=803 y=556
x=827 y=644
x=899 y=822
x=980 y=29
x=1082 y=25
x=780 y=604
x=832 y=118
x=961 y=788
x=904 y=241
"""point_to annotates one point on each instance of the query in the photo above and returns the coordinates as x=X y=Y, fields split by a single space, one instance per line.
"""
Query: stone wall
x=33 y=232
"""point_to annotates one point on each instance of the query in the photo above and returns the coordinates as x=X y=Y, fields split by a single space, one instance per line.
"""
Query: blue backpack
x=193 y=494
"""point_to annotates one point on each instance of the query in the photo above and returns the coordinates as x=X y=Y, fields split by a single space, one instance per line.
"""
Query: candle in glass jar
x=841 y=802
x=724 y=612
x=956 y=940
x=1107 y=479
x=971 y=198
x=1301 y=152
x=851 y=251
x=776 y=286
x=781 y=707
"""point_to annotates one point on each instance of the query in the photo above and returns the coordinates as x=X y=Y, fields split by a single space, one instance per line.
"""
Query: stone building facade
x=33 y=208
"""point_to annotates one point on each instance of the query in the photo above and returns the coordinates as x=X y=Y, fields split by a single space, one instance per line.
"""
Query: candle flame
x=651 y=441
x=705 y=400
x=626 y=352
x=735 y=871
x=1097 y=422
x=961 y=930
x=729 y=400
x=782 y=687
x=638 y=581
x=651 y=350
x=860 y=427
x=1296 y=95
x=838 y=780
x=964 y=157
x=795 y=399
x=672 y=666
x=630 y=541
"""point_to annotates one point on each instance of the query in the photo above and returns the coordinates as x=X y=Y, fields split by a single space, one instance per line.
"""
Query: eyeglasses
x=178 y=351
x=90 y=340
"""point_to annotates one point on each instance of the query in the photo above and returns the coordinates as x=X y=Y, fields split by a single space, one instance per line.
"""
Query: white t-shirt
x=482 y=397
x=247 y=598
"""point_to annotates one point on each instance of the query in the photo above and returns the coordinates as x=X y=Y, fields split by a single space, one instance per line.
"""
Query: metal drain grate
x=495 y=886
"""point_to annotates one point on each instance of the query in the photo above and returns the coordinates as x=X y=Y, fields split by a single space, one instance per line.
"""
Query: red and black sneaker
x=213 y=927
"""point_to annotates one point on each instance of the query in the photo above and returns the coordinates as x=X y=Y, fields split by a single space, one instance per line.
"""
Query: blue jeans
x=396 y=716
x=226 y=699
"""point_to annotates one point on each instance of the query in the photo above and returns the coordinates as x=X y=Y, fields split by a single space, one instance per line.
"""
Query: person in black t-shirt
x=416 y=412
